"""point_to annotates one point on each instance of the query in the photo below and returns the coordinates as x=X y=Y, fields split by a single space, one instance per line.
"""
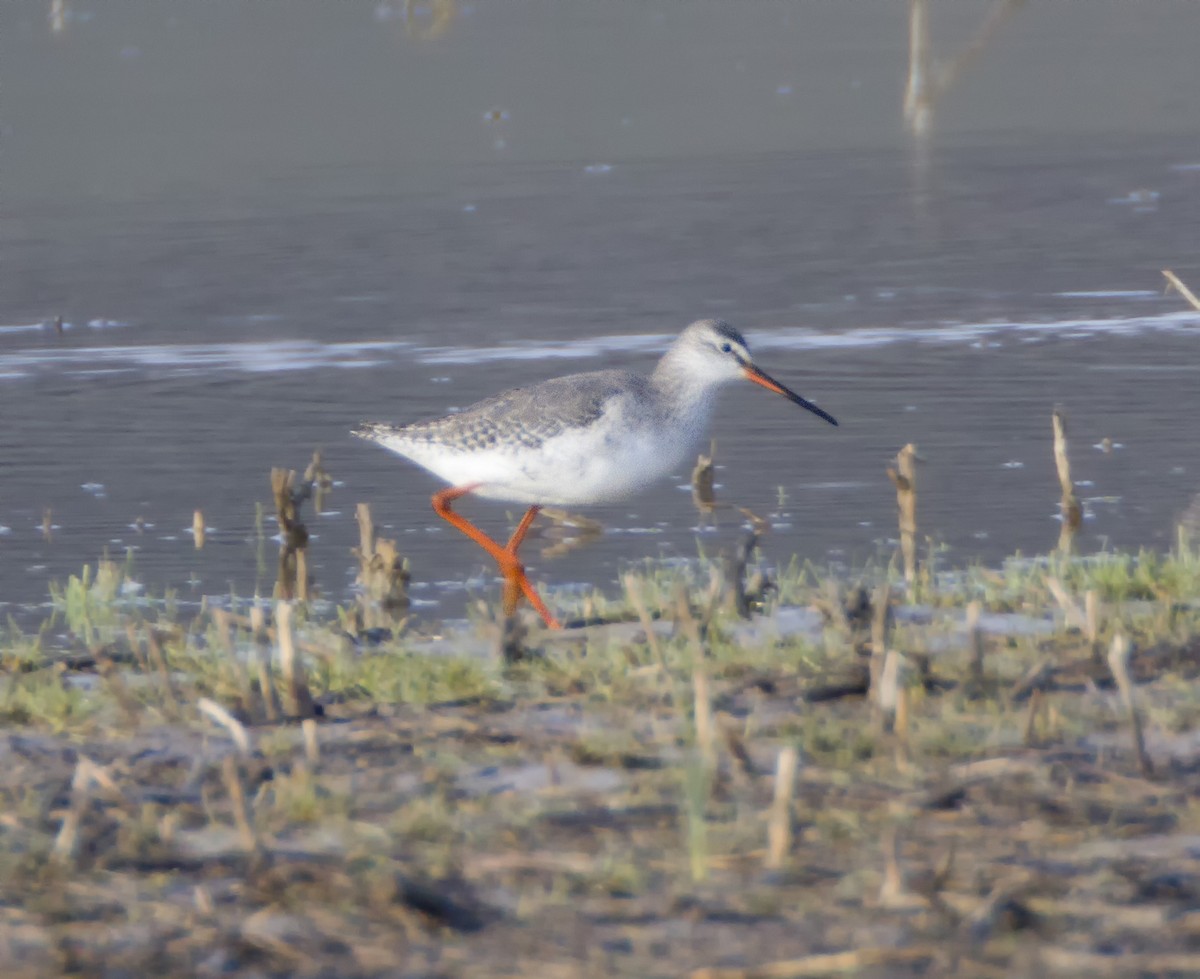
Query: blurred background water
x=231 y=230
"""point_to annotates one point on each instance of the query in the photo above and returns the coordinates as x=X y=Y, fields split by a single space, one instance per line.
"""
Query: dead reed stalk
x=1174 y=281
x=1073 y=615
x=87 y=776
x=242 y=816
x=704 y=495
x=633 y=589
x=1091 y=613
x=706 y=739
x=382 y=574
x=887 y=694
x=1072 y=512
x=745 y=595
x=779 y=825
x=198 y=529
x=220 y=715
x=156 y=655
x=226 y=637
x=293 y=560
x=975 y=643
x=1118 y=661
x=262 y=656
x=312 y=747
x=1037 y=702
x=881 y=624
x=297 y=699
x=904 y=476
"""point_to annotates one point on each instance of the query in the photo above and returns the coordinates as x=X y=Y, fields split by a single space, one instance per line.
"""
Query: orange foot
x=516 y=583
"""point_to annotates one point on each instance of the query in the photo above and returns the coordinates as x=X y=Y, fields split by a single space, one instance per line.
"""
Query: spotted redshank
x=587 y=438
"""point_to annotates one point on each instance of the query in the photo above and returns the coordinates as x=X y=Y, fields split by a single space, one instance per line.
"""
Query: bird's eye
x=726 y=348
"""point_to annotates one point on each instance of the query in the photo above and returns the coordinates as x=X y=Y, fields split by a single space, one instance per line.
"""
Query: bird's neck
x=682 y=397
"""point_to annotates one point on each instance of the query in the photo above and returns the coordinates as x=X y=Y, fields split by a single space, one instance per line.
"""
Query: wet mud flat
x=984 y=773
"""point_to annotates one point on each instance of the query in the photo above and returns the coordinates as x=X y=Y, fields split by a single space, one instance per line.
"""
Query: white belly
x=606 y=462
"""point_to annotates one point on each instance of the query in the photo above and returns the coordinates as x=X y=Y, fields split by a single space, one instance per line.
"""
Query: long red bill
x=765 y=380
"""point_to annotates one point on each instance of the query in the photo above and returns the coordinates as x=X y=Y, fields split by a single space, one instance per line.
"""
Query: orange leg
x=515 y=581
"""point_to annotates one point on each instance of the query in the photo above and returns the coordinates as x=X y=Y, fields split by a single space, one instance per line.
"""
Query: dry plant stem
x=381 y=573
x=823 y=965
x=297 y=700
x=312 y=747
x=262 y=655
x=87 y=774
x=1091 y=616
x=135 y=646
x=779 y=825
x=1072 y=512
x=704 y=496
x=1072 y=614
x=1036 y=702
x=293 y=562
x=170 y=698
x=975 y=642
x=904 y=477
x=633 y=589
x=1032 y=679
x=881 y=623
x=237 y=801
x=893 y=892
x=739 y=599
x=744 y=767
x=198 y=529
x=1183 y=290
x=687 y=622
x=115 y=682
x=1118 y=662
x=887 y=693
x=225 y=634
x=900 y=726
x=220 y=715
x=702 y=708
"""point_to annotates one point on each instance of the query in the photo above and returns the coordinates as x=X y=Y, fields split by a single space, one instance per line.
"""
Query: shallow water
x=243 y=279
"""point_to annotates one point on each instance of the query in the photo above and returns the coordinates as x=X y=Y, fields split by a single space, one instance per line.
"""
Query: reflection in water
x=925 y=84
x=423 y=20
x=58 y=16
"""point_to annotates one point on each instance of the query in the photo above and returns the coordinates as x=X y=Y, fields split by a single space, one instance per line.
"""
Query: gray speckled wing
x=520 y=418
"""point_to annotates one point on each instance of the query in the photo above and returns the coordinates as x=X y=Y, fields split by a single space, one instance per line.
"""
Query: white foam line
x=301 y=355
x=558 y=350
x=1111 y=294
x=803 y=338
x=263 y=357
